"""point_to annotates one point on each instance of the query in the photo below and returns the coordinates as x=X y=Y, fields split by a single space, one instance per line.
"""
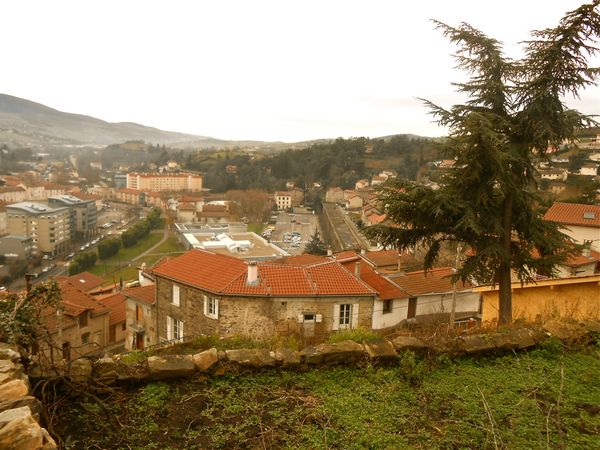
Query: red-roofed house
x=80 y=326
x=582 y=222
x=141 y=317
x=431 y=295
x=85 y=281
x=206 y=293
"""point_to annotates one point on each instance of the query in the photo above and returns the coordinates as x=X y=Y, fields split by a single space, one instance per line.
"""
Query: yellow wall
x=576 y=301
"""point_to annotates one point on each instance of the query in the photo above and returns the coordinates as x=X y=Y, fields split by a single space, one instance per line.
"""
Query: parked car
x=69 y=256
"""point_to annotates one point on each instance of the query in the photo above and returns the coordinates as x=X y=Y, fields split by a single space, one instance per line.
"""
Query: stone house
x=205 y=293
x=140 y=312
x=186 y=212
x=117 y=327
x=79 y=327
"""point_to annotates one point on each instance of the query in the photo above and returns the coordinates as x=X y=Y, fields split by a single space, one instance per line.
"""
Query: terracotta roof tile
x=75 y=300
x=384 y=287
x=574 y=214
x=86 y=280
x=432 y=281
x=145 y=294
x=226 y=275
x=116 y=304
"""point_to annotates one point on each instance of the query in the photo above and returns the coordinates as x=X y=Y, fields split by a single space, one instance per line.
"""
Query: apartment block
x=83 y=214
x=158 y=182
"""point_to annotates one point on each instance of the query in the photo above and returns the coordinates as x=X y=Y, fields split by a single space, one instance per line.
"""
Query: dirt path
x=164 y=238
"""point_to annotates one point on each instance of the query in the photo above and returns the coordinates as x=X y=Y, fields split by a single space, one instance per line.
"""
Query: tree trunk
x=504 y=285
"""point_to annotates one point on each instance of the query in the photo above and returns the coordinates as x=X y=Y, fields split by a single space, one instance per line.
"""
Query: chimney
x=586 y=251
x=329 y=251
x=363 y=251
x=28 y=277
x=357 y=269
x=252 y=273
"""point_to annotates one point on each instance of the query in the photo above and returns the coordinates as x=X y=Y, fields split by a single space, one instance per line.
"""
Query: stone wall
x=19 y=411
x=213 y=362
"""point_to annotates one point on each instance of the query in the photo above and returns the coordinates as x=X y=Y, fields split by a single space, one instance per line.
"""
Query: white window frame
x=345 y=316
x=175 y=298
x=211 y=307
x=174 y=329
x=348 y=320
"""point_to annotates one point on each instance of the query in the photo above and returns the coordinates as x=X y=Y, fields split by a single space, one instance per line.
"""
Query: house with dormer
x=581 y=222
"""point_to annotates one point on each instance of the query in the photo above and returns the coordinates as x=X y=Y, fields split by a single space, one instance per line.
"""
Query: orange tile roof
x=382 y=257
x=86 y=280
x=187 y=206
x=116 y=304
x=226 y=275
x=384 y=287
x=582 y=260
x=432 y=281
x=75 y=300
x=145 y=294
x=573 y=214
x=301 y=260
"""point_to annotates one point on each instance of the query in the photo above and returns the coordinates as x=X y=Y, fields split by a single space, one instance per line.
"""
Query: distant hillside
x=23 y=122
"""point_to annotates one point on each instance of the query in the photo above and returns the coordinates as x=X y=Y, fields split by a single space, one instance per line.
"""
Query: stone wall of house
x=255 y=317
x=19 y=411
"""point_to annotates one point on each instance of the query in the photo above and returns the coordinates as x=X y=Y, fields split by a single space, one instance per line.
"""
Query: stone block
x=9 y=354
x=476 y=344
x=256 y=358
x=105 y=369
x=565 y=331
x=287 y=357
x=80 y=370
x=404 y=343
x=206 y=360
x=340 y=352
x=170 y=366
x=381 y=351
x=29 y=401
x=13 y=390
x=19 y=430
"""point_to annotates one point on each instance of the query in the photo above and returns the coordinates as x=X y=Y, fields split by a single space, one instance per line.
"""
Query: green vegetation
x=513 y=113
x=315 y=246
x=546 y=398
x=142 y=228
x=82 y=262
x=360 y=335
x=108 y=248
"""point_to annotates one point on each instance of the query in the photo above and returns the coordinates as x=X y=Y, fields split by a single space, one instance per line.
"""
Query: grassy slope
x=528 y=400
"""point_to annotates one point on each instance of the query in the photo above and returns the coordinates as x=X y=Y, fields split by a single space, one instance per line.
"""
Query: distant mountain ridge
x=24 y=122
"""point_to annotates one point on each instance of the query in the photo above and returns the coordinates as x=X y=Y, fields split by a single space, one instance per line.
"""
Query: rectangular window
x=387 y=306
x=83 y=319
x=174 y=329
x=211 y=307
x=112 y=333
x=85 y=338
x=138 y=313
x=345 y=315
x=175 y=300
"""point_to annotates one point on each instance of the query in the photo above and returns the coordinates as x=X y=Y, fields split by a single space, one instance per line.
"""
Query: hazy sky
x=248 y=69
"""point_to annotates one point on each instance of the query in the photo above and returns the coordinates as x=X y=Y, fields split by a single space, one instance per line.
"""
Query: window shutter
x=354 y=315
x=300 y=318
x=319 y=318
x=216 y=308
x=181 y=331
x=336 y=317
x=205 y=305
x=176 y=295
x=169 y=328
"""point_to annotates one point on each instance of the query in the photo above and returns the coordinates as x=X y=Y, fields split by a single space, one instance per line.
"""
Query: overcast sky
x=248 y=69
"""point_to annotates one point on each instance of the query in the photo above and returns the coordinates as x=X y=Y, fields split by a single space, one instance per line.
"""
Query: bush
x=108 y=248
x=360 y=335
x=82 y=261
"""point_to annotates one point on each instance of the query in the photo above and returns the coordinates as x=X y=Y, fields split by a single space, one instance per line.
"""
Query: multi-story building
x=283 y=200
x=49 y=228
x=159 y=182
x=83 y=214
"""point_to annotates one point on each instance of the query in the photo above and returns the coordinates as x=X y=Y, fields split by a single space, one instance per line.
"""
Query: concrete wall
x=581 y=234
x=576 y=300
x=390 y=319
x=442 y=303
x=255 y=317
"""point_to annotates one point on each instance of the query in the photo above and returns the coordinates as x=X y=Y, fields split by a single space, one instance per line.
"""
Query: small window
x=85 y=338
x=83 y=319
x=112 y=333
x=211 y=307
x=345 y=314
x=309 y=317
x=175 y=300
x=387 y=306
x=123 y=326
x=412 y=308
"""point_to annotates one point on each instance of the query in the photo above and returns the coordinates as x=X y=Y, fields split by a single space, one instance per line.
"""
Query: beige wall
x=576 y=300
x=40 y=229
x=259 y=318
x=147 y=324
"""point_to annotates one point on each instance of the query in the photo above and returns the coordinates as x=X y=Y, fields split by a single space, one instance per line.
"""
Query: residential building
x=213 y=213
x=86 y=281
x=361 y=184
x=79 y=326
x=117 y=324
x=589 y=169
x=205 y=293
x=430 y=296
x=283 y=200
x=16 y=247
x=83 y=214
x=166 y=181
x=334 y=195
x=555 y=174
x=581 y=222
x=186 y=212
x=48 y=227
x=141 y=317
x=354 y=202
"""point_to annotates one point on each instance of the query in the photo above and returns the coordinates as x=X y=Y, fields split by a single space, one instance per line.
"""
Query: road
x=303 y=222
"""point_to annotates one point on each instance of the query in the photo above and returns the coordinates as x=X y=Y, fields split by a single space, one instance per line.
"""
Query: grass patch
x=360 y=335
x=546 y=398
x=255 y=227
